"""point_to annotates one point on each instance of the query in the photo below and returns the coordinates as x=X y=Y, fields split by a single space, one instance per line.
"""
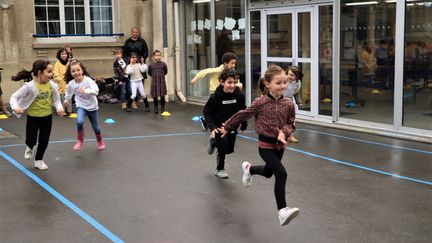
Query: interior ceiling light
x=361 y=3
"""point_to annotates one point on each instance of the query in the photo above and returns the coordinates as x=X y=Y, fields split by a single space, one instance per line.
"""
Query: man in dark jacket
x=135 y=44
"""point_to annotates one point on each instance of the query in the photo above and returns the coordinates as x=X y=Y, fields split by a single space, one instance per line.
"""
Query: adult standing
x=135 y=44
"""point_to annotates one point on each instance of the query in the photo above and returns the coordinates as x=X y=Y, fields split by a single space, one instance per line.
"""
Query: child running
x=59 y=71
x=157 y=70
x=229 y=60
x=222 y=104
x=294 y=76
x=37 y=97
x=274 y=123
x=85 y=91
x=135 y=70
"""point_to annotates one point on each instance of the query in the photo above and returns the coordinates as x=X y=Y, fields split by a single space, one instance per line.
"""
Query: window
x=55 y=18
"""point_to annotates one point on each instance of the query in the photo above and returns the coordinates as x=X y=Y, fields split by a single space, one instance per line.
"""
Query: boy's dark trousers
x=224 y=146
x=41 y=125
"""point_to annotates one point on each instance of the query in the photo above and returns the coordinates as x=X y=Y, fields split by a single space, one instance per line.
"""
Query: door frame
x=313 y=59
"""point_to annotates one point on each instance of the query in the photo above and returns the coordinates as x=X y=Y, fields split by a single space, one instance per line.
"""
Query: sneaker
x=28 y=154
x=40 y=164
x=211 y=146
x=221 y=174
x=203 y=123
x=287 y=214
x=247 y=177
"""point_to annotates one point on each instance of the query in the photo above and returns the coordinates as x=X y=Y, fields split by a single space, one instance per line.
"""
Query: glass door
x=289 y=42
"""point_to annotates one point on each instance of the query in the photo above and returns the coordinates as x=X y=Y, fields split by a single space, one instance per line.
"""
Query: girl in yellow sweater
x=59 y=71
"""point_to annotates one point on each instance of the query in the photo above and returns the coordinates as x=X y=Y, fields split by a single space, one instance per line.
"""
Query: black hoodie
x=221 y=106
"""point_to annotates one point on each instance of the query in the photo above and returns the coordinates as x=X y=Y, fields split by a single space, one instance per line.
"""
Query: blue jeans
x=125 y=90
x=93 y=117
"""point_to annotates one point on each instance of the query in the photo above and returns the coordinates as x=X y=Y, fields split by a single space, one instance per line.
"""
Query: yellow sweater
x=214 y=76
x=59 y=75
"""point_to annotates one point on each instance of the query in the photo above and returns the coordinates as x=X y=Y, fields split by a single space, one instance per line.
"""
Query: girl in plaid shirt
x=274 y=123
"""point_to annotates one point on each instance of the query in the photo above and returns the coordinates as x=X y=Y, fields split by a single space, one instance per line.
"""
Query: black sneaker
x=211 y=146
x=203 y=123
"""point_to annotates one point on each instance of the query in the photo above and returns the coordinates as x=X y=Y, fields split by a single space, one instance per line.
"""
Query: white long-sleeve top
x=88 y=100
x=135 y=70
x=25 y=95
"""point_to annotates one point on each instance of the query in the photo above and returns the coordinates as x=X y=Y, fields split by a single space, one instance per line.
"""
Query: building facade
x=367 y=64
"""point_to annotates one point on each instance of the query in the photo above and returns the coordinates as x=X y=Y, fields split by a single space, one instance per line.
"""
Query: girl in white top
x=135 y=70
x=85 y=91
x=294 y=77
x=37 y=97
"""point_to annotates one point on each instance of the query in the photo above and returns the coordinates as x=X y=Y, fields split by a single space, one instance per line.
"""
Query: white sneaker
x=28 y=154
x=247 y=177
x=287 y=214
x=40 y=164
x=221 y=174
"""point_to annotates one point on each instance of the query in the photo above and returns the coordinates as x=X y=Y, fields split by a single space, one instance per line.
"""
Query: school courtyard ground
x=155 y=183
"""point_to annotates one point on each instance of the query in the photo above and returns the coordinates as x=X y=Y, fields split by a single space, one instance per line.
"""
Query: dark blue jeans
x=93 y=117
x=125 y=90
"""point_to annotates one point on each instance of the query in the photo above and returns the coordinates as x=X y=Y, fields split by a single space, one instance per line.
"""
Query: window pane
x=96 y=28
x=255 y=52
x=79 y=2
x=304 y=38
x=94 y=2
x=54 y=28
x=367 y=61
x=70 y=28
x=69 y=13
x=69 y=2
x=325 y=60
x=417 y=82
x=80 y=27
x=279 y=37
x=79 y=13
x=53 y=13
x=106 y=27
x=40 y=13
x=39 y=2
x=41 y=28
x=106 y=13
x=105 y=2
x=198 y=45
x=53 y=2
x=94 y=13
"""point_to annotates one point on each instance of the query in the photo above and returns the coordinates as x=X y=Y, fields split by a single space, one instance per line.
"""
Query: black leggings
x=225 y=146
x=43 y=126
x=274 y=166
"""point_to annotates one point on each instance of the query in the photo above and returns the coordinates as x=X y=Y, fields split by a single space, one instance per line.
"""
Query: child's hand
x=282 y=137
x=193 y=81
x=82 y=91
x=222 y=131
x=61 y=112
x=213 y=133
x=65 y=103
x=18 y=110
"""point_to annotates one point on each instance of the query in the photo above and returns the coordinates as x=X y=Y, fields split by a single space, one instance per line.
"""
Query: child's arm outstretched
x=201 y=74
x=56 y=99
x=239 y=117
x=92 y=90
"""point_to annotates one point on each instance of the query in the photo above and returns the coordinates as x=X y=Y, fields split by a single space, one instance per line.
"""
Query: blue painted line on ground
x=64 y=200
x=351 y=164
x=368 y=141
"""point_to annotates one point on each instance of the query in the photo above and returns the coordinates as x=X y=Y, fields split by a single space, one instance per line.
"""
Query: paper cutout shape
x=200 y=25
x=235 y=34
x=229 y=23
x=195 y=118
x=193 y=25
x=241 y=23
x=207 y=24
x=73 y=115
x=197 y=39
x=3 y=116
x=166 y=113
x=219 y=24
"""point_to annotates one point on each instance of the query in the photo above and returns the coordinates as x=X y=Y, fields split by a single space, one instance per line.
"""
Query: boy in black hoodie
x=222 y=104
